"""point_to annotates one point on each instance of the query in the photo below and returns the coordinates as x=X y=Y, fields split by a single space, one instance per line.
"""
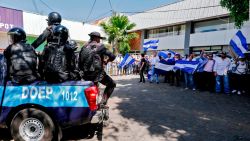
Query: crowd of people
x=215 y=72
x=112 y=68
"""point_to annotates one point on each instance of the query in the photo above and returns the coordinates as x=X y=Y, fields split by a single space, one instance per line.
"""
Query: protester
x=221 y=68
x=199 y=75
x=147 y=67
x=142 y=68
x=189 y=78
x=208 y=74
x=153 y=62
x=168 y=73
x=119 y=60
x=239 y=70
x=177 y=73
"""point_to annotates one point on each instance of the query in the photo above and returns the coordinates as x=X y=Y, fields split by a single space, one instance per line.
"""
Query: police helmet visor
x=16 y=35
x=11 y=39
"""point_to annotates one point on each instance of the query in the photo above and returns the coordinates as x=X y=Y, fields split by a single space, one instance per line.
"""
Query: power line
x=110 y=4
x=99 y=17
x=47 y=5
x=173 y=10
x=90 y=12
x=35 y=6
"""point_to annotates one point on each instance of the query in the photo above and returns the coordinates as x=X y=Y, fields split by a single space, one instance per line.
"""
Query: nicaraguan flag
x=239 y=44
x=164 y=66
x=186 y=66
x=153 y=44
x=164 y=54
x=127 y=60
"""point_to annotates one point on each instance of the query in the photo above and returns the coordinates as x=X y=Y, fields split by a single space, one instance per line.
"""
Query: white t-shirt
x=241 y=68
x=221 y=66
x=154 y=60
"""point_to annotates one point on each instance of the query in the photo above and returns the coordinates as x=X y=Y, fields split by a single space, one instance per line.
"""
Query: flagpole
x=229 y=46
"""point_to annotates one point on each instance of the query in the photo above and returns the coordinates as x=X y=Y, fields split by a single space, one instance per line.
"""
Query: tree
x=239 y=10
x=117 y=29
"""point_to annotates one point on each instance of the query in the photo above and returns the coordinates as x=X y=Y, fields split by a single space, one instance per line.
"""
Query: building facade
x=188 y=26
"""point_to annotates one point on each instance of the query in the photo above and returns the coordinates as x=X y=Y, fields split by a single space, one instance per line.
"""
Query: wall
x=135 y=44
x=169 y=42
x=3 y=40
x=217 y=37
x=10 y=18
x=34 y=25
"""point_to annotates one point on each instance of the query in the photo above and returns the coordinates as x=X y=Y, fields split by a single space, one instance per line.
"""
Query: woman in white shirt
x=239 y=70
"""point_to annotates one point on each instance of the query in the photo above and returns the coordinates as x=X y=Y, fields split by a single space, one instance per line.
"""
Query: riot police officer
x=53 y=20
x=101 y=75
x=21 y=58
x=58 y=56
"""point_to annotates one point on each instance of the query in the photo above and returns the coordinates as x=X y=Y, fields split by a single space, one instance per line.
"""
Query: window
x=165 y=31
x=177 y=30
x=182 y=31
x=197 y=50
x=213 y=25
x=170 y=31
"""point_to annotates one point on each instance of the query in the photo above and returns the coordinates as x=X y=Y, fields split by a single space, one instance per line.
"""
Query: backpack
x=55 y=69
x=22 y=63
x=89 y=60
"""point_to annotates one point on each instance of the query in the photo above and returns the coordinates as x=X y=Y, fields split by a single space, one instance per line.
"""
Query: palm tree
x=117 y=29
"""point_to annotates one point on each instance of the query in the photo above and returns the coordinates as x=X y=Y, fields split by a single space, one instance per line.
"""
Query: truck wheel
x=33 y=125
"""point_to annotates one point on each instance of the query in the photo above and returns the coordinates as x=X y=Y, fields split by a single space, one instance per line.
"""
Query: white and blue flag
x=239 y=44
x=127 y=60
x=151 y=44
x=164 y=54
x=186 y=66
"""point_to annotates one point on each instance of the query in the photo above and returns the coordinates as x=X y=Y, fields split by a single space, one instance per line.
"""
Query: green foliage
x=124 y=48
x=239 y=10
x=117 y=29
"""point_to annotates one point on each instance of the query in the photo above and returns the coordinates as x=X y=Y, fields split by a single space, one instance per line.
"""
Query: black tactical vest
x=22 y=63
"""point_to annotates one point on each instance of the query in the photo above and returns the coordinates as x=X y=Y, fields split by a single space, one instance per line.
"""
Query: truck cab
x=40 y=110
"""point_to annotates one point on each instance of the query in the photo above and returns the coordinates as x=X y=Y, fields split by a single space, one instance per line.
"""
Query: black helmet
x=54 y=18
x=17 y=35
x=60 y=34
x=72 y=44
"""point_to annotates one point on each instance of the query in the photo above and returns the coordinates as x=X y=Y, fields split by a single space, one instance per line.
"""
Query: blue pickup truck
x=39 y=111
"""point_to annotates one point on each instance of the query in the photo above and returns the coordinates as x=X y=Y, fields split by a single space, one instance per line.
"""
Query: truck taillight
x=91 y=94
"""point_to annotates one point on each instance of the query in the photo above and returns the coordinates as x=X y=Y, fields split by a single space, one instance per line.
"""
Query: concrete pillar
x=187 y=38
x=142 y=39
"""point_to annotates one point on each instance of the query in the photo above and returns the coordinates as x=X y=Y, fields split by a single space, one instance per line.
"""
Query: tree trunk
x=114 y=45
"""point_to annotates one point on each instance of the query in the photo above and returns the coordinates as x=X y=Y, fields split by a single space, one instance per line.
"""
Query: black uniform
x=46 y=35
x=102 y=77
x=54 y=19
x=58 y=58
x=21 y=63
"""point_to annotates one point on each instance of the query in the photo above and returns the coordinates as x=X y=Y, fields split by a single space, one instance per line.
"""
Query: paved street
x=151 y=112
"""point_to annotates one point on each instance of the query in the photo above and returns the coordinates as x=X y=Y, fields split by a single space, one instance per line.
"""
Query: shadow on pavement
x=5 y=135
x=78 y=133
x=184 y=115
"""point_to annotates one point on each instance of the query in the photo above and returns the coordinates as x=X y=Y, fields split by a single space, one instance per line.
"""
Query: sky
x=80 y=10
